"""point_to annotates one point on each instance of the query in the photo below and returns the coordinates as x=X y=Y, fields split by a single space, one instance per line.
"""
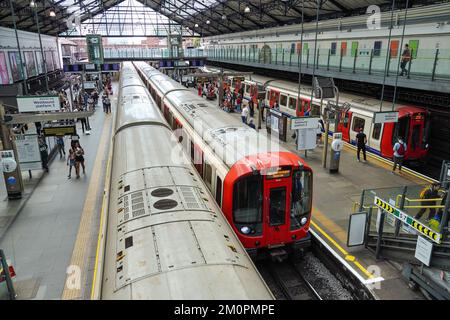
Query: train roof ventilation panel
x=165 y=204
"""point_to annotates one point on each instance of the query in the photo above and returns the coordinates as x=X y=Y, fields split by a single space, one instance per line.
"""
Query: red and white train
x=413 y=123
x=264 y=191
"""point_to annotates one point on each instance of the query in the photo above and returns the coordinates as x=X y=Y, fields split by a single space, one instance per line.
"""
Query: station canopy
x=192 y=17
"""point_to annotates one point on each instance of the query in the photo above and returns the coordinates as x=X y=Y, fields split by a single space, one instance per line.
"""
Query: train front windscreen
x=273 y=204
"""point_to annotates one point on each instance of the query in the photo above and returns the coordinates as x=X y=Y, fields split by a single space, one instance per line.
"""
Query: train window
x=358 y=123
x=247 y=88
x=208 y=175
x=345 y=120
x=333 y=48
x=415 y=137
x=277 y=206
x=219 y=191
x=247 y=199
x=377 y=48
x=401 y=129
x=292 y=103
x=376 y=131
x=301 y=197
x=283 y=100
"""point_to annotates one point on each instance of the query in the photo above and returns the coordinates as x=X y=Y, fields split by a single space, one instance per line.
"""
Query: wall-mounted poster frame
x=14 y=63
x=49 y=60
x=4 y=77
x=30 y=63
x=39 y=62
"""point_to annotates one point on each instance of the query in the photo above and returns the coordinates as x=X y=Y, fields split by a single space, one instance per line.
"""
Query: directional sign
x=400 y=215
x=304 y=123
x=385 y=117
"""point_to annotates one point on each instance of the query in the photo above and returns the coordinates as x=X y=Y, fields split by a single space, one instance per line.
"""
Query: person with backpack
x=406 y=57
x=399 y=154
x=430 y=192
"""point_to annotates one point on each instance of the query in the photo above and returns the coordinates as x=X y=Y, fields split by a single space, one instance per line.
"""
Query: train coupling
x=278 y=254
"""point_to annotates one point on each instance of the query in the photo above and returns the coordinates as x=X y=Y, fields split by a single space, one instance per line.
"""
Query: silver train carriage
x=166 y=238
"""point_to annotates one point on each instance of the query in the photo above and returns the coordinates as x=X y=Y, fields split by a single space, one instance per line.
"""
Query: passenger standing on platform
x=43 y=148
x=244 y=114
x=79 y=159
x=432 y=192
x=108 y=105
x=361 y=140
x=71 y=161
x=406 y=57
x=399 y=154
x=61 y=147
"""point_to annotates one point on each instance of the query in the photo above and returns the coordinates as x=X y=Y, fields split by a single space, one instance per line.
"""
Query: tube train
x=413 y=122
x=166 y=237
x=360 y=42
x=264 y=191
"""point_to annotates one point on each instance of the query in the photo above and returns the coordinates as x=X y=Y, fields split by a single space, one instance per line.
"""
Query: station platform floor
x=334 y=195
x=52 y=240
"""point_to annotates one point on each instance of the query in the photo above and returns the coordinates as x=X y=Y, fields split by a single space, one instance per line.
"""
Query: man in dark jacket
x=431 y=192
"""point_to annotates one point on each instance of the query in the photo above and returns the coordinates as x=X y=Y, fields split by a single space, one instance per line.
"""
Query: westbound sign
x=385 y=117
x=304 y=123
x=38 y=103
x=415 y=224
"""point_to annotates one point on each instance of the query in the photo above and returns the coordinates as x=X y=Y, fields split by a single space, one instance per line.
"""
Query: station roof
x=196 y=17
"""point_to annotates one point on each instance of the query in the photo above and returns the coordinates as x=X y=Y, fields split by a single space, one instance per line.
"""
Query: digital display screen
x=276 y=173
x=90 y=67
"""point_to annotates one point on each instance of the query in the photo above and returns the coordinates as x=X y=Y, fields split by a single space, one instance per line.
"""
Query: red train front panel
x=269 y=207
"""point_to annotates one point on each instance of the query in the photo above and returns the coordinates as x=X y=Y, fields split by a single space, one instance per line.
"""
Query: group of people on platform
x=210 y=89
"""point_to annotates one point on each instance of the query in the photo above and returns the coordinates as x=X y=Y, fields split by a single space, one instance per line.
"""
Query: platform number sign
x=415 y=224
x=94 y=48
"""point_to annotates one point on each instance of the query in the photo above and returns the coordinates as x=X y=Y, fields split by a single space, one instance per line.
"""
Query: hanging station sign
x=94 y=48
x=38 y=103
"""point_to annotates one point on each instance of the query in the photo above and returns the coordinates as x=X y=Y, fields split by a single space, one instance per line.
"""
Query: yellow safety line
x=344 y=252
x=388 y=165
x=100 y=228
x=84 y=230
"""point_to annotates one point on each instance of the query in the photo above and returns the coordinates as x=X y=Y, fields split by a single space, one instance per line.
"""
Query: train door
x=274 y=96
x=277 y=193
x=344 y=125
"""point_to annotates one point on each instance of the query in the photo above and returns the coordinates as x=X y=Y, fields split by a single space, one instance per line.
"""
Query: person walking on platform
x=361 y=140
x=61 y=147
x=431 y=192
x=108 y=105
x=79 y=160
x=244 y=114
x=71 y=162
x=406 y=57
x=399 y=154
x=251 y=124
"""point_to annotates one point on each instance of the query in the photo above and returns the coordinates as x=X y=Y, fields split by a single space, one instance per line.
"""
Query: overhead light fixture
x=52 y=13
x=247 y=9
x=32 y=4
x=224 y=17
x=207 y=22
x=196 y=25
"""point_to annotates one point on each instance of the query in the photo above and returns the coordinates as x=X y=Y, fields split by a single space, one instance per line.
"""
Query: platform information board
x=411 y=222
x=38 y=103
x=28 y=151
x=424 y=249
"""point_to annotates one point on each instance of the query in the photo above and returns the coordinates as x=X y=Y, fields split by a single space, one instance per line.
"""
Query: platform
x=334 y=195
x=53 y=237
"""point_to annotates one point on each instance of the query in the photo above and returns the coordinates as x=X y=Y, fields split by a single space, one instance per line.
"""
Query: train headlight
x=303 y=221
x=245 y=230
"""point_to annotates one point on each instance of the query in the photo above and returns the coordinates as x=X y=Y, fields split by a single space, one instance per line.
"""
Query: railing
x=431 y=64
x=150 y=53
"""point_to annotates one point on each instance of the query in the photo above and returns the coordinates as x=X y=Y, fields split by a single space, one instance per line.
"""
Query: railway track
x=287 y=282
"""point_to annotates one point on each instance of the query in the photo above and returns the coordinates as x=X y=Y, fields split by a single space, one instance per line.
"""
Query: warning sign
x=415 y=224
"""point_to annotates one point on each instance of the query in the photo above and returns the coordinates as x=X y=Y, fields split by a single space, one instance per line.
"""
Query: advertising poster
x=30 y=63
x=16 y=70
x=4 y=79
x=39 y=62
x=49 y=60
x=55 y=60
